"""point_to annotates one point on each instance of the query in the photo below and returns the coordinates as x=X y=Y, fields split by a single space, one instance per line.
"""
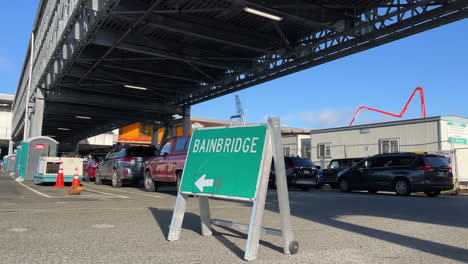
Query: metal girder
x=78 y=73
x=104 y=113
x=195 y=29
x=391 y=23
x=137 y=23
x=109 y=40
x=184 y=75
x=119 y=102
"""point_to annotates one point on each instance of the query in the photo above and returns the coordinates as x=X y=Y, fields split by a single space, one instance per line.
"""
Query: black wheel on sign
x=178 y=179
x=344 y=185
x=402 y=187
x=372 y=191
x=97 y=177
x=294 y=247
x=116 y=182
x=432 y=193
x=150 y=185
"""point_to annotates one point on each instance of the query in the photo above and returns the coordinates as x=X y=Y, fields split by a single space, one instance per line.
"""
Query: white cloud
x=323 y=118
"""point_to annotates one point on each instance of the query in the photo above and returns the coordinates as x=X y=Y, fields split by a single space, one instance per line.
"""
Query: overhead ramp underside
x=134 y=60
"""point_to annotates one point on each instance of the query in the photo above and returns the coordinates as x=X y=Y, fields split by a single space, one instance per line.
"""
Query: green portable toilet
x=32 y=149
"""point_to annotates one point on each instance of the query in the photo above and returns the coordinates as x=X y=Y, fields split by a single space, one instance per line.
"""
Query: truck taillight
x=128 y=159
x=450 y=169
x=295 y=168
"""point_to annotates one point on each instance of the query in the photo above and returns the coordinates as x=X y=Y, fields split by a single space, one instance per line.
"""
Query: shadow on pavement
x=192 y=222
x=327 y=209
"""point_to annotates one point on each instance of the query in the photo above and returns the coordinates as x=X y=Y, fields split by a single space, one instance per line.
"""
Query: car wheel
x=97 y=178
x=432 y=194
x=344 y=185
x=402 y=187
x=372 y=191
x=116 y=182
x=150 y=185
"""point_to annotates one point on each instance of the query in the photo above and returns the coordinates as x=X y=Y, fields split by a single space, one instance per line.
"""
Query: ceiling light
x=135 y=87
x=63 y=128
x=83 y=117
x=263 y=14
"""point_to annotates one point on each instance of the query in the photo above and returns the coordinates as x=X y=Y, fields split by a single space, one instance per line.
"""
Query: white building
x=6 y=100
x=440 y=134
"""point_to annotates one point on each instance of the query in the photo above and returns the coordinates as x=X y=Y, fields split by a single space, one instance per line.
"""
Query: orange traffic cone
x=76 y=179
x=59 y=182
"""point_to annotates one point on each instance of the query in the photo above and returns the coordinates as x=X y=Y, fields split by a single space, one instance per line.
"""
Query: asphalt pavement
x=42 y=224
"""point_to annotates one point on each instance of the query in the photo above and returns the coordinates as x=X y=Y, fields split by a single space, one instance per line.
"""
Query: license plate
x=307 y=172
x=441 y=173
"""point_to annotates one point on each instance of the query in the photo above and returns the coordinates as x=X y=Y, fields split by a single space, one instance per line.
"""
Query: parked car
x=167 y=167
x=335 y=166
x=300 y=173
x=402 y=173
x=124 y=163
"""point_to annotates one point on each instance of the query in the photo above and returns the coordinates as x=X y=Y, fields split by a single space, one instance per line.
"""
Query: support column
x=186 y=121
x=11 y=146
x=155 y=133
x=38 y=115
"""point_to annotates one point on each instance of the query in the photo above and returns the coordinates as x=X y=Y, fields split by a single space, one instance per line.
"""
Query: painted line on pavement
x=111 y=194
x=38 y=192
x=114 y=190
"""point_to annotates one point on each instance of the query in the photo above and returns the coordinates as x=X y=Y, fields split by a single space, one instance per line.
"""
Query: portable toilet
x=32 y=149
x=10 y=163
x=18 y=160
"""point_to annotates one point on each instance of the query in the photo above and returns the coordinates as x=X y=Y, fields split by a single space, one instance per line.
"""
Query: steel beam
x=118 y=102
x=110 y=39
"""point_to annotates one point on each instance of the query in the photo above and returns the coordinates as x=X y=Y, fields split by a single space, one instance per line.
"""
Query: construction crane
x=403 y=111
x=240 y=113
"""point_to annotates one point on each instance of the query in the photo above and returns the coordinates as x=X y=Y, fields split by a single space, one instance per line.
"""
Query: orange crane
x=423 y=107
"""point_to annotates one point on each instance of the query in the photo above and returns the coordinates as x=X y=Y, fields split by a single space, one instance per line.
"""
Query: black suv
x=124 y=163
x=300 y=173
x=335 y=166
x=402 y=173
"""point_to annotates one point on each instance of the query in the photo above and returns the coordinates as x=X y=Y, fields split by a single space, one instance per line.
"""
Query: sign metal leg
x=258 y=208
x=177 y=217
x=205 y=217
x=290 y=246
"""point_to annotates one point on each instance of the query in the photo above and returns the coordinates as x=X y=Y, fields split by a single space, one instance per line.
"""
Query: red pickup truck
x=167 y=167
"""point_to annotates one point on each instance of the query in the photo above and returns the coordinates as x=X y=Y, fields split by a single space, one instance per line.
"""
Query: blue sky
x=323 y=96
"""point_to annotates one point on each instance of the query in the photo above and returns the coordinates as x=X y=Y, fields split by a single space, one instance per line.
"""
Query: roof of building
x=392 y=123
x=284 y=129
x=6 y=98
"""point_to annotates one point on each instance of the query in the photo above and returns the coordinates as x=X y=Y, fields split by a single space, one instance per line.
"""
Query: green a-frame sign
x=233 y=163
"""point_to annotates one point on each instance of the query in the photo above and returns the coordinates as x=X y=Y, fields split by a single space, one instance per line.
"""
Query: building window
x=287 y=151
x=389 y=145
x=323 y=150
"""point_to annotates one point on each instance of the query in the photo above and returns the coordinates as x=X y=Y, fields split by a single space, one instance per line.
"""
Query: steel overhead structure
x=100 y=64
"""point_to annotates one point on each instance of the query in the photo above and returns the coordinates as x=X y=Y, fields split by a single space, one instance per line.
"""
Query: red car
x=89 y=167
x=167 y=167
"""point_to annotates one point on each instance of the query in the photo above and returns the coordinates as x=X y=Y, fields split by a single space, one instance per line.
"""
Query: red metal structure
x=423 y=106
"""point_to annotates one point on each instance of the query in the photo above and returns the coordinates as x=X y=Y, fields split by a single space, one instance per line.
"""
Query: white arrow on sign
x=202 y=182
